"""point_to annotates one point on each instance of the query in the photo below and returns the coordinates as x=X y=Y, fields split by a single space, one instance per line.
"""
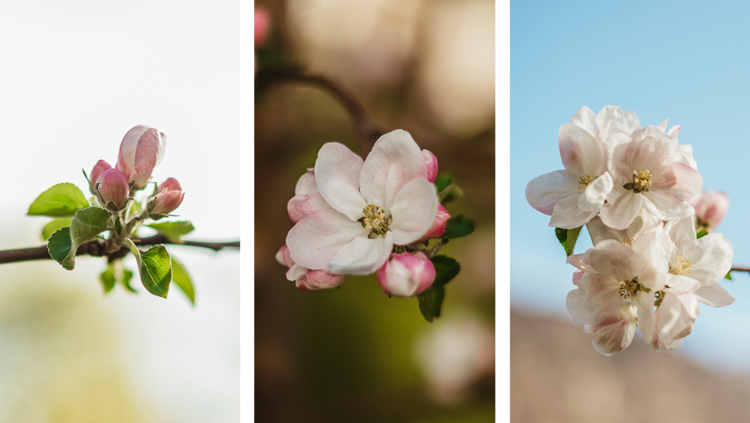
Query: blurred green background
x=354 y=354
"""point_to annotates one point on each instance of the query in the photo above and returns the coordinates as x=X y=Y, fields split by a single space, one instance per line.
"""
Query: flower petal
x=362 y=255
x=714 y=295
x=594 y=195
x=711 y=258
x=666 y=205
x=580 y=151
x=611 y=120
x=319 y=236
x=394 y=161
x=302 y=205
x=568 y=215
x=634 y=124
x=586 y=119
x=337 y=172
x=306 y=184
x=544 y=191
x=613 y=258
x=317 y=280
x=413 y=211
x=621 y=213
x=681 y=232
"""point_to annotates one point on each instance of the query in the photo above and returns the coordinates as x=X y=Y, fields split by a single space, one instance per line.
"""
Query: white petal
x=318 y=237
x=631 y=118
x=567 y=215
x=685 y=155
x=711 y=258
x=621 y=213
x=615 y=259
x=714 y=295
x=666 y=206
x=586 y=119
x=594 y=195
x=337 y=172
x=581 y=153
x=413 y=211
x=611 y=120
x=306 y=184
x=362 y=255
x=681 y=232
x=544 y=191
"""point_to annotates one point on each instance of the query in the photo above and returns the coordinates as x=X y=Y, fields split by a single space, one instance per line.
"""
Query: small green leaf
x=59 y=246
x=127 y=275
x=431 y=302
x=442 y=182
x=729 y=275
x=701 y=233
x=458 y=226
x=446 y=189
x=173 y=230
x=61 y=200
x=108 y=278
x=568 y=238
x=86 y=224
x=55 y=225
x=155 y=268
x=182 y=279
x=446 y=269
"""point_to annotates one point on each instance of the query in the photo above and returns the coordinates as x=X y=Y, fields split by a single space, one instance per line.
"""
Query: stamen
x=631 y=287
x=375 y=219
x=626 y=242
x=641 y=182
x=585 y=180
x=682 y=267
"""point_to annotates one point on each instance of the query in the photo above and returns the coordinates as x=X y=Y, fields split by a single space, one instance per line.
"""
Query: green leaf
x=108 y=278
x=568 y=238
x=182 y=279
x=61 y=200
x=59 y=246
x=155 y=268
x=127 y=275
x=173 y=230
x=729 y=275
x=442 y=182
x=446 y=269
x=446 y=189
x=701 y=233
x=458 y=226
x=55 y=225
x=86 y=224
x=431 y=302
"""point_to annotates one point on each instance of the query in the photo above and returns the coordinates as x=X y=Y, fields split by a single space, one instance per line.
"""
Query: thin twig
x=97 y=249
x=740 y=269
x=367 y=132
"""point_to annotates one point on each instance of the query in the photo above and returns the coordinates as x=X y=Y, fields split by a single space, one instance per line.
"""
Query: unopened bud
x=98 y=169
x=113 y=189
x=141 y=150
x=406 y=274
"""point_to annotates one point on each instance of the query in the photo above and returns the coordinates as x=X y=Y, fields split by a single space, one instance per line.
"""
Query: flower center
x=629 y=288
x=625 y=241
x=682 y=267
x=641 y=182
x=585 y=180
x=375 y=219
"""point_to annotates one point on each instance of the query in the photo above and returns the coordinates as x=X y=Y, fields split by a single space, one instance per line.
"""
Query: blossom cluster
x=655 y=255
x=356 y=217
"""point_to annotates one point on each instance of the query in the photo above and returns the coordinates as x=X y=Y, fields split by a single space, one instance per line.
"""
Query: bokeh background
x=354 y=354
x=686 y=61
x=76 y=76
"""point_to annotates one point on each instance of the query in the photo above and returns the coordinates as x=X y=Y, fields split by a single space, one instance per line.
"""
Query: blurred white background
x=75 y=77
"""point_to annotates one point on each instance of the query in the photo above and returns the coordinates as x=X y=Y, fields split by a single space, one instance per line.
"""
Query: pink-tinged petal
x=586 y=119
x=100 y=167
x=581 y=153
x=318 y=280
x=543 y=192
x=611 y=336
x=337 y=172
x=262 y=25
x=680 y=283
x=319 y=236
x=594 y=195
x=141 y=150
x=710 y=208
x=663 y=125
x=681 y=232
x=406 y=274
x=306 y=184
x=394 y=161
x=674 y=319
x=666 y=206
x=295 y=272
x=431 y=165
x=113 y=187
x=568 y=215
x=413 y=211
x=166 y=202
x=437 y=229
x=631 y=119
x=611 y=120
x=577 y=276
x=711 y=258
x=615 y=259
x=644 y=302
x=714 y=295
x=674 y=131
x=576 y=260
x=621 y=213
x=302 y=205
x=685 y=156
x=283 y=256
x=170 y=184
x=687 y=183
x=362 y=255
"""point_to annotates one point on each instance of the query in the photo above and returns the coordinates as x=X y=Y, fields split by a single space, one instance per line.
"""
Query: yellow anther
x=625 y=241
x=682 y=267
x=641 y=182
x=375 y=219
x=631 y=287
x=585 y=180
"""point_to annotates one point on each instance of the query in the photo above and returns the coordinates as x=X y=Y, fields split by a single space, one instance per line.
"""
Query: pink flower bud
x=100 y=167
x=406 y=274
x=141 y=150
x=710 y=208
x=438 y=225
x=113 y=187
x=262 y=25
x=165 y=202
x=431 y=163
x=306 y=279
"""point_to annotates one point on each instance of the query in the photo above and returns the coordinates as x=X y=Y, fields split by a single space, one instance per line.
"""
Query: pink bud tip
x=406 y=274
x=431 y=164
x=98 y=169
x=113 y=187
x=262 y=25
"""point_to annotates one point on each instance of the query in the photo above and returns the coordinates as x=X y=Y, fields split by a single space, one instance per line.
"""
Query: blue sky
x=686 y=61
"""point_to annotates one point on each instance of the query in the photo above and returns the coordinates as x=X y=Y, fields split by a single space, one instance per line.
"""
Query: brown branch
x=98 y=249
x=740 y=269
x=367 y=132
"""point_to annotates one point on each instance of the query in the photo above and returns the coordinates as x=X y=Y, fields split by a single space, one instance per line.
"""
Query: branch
x=367 y=132
x=97 y=249
x=740 y=269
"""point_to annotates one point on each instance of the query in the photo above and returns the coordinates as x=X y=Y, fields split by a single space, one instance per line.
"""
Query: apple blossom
x=262 y=25
x=573 y=196
x=707 y=260
x=609 y=121
x=643 y=233
x=100 y=167
x=710 y=208
x=169 y=196
x=113 y=188
x=432 y=165
x=307 y=198
x=676 y=312
x=406 y=274
x=305 y=279
x=377 y=203
x=141 y=150
x=646 y=174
